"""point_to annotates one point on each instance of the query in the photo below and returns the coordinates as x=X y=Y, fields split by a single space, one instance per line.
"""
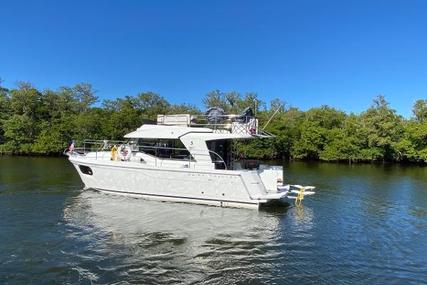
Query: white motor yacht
x=185 y=158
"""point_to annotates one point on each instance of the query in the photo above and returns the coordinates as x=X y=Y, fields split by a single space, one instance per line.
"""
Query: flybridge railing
x=235 y=124
x=160 y=152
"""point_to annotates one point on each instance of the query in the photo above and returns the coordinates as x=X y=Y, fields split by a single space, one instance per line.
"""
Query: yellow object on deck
x=114 y=152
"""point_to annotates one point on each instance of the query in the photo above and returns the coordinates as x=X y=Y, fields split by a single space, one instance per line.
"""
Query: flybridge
x=245 y=124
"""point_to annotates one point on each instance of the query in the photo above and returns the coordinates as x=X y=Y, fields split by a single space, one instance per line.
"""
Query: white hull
x=224 y=188
x=216 y=203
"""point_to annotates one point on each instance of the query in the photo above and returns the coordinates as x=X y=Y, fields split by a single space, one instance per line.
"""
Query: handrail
x=221 y=159
x=224 y=121
x=105 y=143
x=219 y=121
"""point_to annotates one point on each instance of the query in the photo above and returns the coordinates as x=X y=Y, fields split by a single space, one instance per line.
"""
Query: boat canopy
x=164 y=132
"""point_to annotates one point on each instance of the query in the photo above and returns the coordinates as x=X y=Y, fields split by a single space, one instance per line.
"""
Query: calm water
x=366 y=225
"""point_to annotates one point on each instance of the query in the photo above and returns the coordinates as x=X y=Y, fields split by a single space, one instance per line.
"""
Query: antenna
x=272 y=116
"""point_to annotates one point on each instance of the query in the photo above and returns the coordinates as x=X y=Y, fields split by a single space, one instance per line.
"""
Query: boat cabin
x=200 y=141
x=186 y=141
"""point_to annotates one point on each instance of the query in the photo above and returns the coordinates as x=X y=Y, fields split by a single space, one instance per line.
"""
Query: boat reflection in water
x=158 y=242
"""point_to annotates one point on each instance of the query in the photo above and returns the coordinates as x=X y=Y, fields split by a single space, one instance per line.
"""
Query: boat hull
x=213 y=187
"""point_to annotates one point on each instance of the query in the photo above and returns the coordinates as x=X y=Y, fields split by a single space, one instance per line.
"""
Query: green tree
x=287 y=128
x=316 y=131
x=311 y=141
x=151 y=104
x=216 y=98
x=25 y=100
x=383 y=129
x=413 y=144
x=183 y=109
x=420 y=110
x=124 y=116
x=4 y=109
x=51 y=140
x=19 y=132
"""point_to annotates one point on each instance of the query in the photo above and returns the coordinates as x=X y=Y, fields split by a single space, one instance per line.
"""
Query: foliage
x=420 y=110
x=44 y=122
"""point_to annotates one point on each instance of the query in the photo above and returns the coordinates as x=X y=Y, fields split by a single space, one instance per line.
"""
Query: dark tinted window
x=164 y=148
x=85 y=169
x=224 y=149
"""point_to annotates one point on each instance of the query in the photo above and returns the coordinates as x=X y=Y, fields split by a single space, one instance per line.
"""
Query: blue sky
x=308 y=53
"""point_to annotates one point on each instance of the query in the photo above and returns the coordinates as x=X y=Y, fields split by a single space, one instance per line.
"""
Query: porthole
x=86 y=169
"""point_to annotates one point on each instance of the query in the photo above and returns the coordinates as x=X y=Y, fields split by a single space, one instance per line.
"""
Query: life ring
x=125 y=152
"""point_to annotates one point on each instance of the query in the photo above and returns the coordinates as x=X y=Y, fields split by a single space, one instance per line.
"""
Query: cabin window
x=164 y=148
x=86 y=169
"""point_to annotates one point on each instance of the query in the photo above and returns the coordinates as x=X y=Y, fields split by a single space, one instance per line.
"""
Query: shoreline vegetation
x=43 y=122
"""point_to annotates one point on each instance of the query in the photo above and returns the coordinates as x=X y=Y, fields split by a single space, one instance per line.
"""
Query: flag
x=71 y=147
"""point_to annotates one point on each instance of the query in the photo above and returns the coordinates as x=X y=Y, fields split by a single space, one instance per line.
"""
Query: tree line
x=43 y=122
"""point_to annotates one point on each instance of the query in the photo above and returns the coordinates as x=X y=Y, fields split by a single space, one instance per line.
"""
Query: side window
x=164 y=148
x=147 y=146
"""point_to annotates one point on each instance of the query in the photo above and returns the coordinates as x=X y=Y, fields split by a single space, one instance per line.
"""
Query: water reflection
x=303 y=218
x=163 y=242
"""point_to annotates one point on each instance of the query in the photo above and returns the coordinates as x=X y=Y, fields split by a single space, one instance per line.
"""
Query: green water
x=367 y=224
